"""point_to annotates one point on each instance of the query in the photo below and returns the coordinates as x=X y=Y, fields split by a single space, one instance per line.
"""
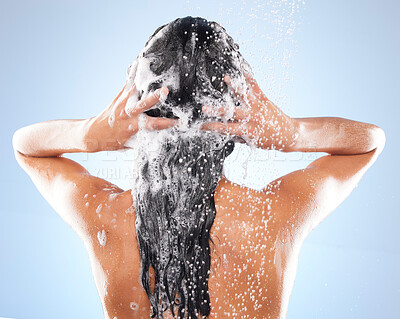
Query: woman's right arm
x=265 y=125
x=308 y=195
x=336 y=136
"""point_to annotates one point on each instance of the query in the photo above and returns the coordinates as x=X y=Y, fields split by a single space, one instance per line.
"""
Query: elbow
x=378 y=138
x=16 y=140
x=19 y=141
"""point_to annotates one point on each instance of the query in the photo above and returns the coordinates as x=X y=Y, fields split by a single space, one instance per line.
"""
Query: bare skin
x=257 y=234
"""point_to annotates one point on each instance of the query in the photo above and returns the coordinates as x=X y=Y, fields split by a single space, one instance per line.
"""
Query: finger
x=229 y=128
x=236 y=90
x=251 y=81
x=159 y=123
x=238 y=114
x=151 y=100
x=120 y=109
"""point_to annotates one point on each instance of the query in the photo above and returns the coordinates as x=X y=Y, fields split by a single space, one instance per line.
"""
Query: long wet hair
x=176 y=179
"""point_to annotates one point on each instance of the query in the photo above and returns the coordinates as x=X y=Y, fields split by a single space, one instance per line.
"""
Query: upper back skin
x=253 y=255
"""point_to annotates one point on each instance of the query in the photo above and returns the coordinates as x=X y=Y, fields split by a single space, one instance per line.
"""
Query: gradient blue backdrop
x=67 y=59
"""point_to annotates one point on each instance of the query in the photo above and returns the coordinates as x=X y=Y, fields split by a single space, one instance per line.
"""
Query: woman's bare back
x=252 y=262
x=257 y=236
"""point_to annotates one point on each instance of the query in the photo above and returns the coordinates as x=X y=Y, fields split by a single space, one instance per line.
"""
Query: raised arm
x=335 y=135
x=311 y=194
x=265 y=125
x=308 y=195
x=107 y=131
x=66 y=185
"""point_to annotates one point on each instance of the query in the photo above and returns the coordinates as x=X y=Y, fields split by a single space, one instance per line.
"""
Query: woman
x=188 y=97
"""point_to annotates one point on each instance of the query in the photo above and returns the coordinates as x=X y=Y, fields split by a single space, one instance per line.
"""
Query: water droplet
x=98 y=209
x=102 y=237
x=133 y=305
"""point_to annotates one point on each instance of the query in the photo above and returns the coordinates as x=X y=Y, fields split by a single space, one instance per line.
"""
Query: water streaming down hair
x=177 y=170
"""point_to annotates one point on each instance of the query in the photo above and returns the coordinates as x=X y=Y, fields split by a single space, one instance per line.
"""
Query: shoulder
x=85 y=202
x=285 y=203
x=242 y=202
x=108 y=210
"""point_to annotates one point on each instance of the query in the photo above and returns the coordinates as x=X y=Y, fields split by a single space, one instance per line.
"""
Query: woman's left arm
x=52 y=138
x=65 y=184
x=107 y=131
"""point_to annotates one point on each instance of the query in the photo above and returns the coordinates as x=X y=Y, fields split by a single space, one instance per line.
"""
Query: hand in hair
x=261 y=122
x=113 y=127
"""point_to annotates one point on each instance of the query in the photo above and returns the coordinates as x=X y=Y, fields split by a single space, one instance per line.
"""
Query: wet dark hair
x=173 y=221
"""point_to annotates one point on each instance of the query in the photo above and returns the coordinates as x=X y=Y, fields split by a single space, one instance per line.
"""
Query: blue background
x=67 y=59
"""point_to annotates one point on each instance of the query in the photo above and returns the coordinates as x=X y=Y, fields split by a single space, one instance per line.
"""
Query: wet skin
x=257 y=234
